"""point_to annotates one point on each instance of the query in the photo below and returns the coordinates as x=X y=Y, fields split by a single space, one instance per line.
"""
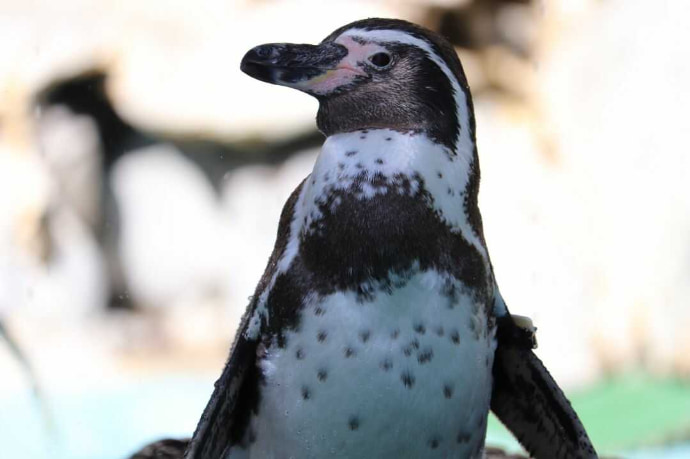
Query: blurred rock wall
x=142 y=198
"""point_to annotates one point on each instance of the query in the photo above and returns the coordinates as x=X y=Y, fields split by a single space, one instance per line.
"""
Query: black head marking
x=409 y=93
x=413 y=96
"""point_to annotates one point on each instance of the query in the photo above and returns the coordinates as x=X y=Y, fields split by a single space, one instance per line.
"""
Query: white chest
x=407 y=375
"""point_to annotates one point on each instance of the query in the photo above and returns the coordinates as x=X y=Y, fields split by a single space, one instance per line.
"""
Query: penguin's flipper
x=529 y=402
x=226 y=418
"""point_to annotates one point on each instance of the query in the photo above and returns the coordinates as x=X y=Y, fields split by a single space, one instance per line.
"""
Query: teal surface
x=627 y=417
x=102 y=424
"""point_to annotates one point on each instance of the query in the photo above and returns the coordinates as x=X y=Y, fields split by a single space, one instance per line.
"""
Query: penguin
x=85 y=94
x=378 y=329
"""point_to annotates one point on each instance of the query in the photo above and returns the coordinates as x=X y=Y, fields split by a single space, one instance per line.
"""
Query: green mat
x=624 y=413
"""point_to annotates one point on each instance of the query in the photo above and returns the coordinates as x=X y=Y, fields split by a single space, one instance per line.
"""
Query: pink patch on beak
x=347 y=69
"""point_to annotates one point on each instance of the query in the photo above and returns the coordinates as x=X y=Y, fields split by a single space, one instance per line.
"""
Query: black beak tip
x=258 y=63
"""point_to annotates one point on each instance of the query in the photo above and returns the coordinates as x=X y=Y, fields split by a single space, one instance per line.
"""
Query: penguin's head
x=376 y=73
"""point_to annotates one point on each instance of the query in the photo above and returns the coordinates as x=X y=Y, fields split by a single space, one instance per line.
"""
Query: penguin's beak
x=315 y=69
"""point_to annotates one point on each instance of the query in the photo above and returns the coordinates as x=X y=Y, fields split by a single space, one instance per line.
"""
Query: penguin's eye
x=380 y=60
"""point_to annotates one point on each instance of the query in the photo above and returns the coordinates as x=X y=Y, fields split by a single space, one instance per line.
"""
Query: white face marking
x=464 y=146
x=357 y=52
x=373 y=379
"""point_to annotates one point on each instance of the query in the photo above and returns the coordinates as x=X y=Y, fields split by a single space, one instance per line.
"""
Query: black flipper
x=529 y=402
x=236 y=395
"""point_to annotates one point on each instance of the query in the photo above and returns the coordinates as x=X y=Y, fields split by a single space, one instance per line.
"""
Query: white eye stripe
x=463 y=145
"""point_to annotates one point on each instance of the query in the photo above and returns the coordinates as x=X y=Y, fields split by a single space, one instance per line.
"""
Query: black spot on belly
x=463 y=437
x=455 y=337
x=306 y=393
x=420 y=328
x=448 y=390
x=386 y=364
x=407 y=378
x=353 y=423
x=299 y=353
x=395 y=333
x=322 y=375
x=321 y=336
x=434 y=442
x=364 y=335
x=425 y=356
x=378 y=161
x=440 y=175
x=318 y=311
x=388 y=139
x=350 y=352
x=351 y=153
x=440 y=331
